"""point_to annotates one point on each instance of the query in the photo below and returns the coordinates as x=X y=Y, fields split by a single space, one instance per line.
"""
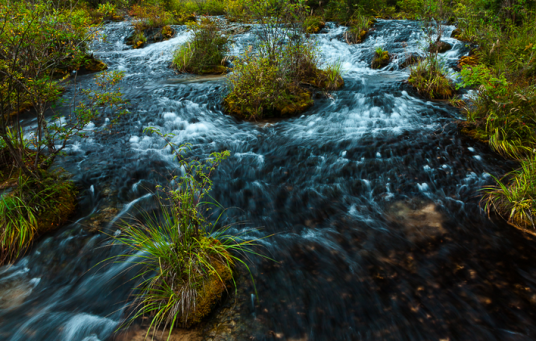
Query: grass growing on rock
x=204 y=53
x=381 y=58
x=428 y=77
x=187 y=262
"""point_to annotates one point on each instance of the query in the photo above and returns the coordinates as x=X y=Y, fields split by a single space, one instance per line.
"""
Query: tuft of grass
x=32 y=208
x=187 y=262
x=204 y=53
x=515 y=199
x=428 y=77
x=359 y=27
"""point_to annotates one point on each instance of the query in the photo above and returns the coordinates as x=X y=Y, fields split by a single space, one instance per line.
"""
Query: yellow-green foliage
x=430 y=81
x=204 y=52
x=33 y=208
x=313 y=24
x=503 y=110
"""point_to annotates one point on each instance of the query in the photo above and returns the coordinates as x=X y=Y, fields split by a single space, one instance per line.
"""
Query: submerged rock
x=439 y=47
x=411 y=59
x=420 y=221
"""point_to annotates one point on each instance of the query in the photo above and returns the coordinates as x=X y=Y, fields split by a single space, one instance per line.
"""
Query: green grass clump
x=204 y=52
x=515 y=201
x=187 y=262
x=33 y=208
x=381 y=58
x=313 y=24
x=428 y=77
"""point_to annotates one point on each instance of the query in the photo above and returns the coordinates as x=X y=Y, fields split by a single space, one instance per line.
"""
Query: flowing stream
x=371 y=198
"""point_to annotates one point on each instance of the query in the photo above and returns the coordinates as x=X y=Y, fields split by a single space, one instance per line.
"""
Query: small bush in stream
x=204 y=53
x=33 y=208
x=428 y=78
x=276 y=79
x=187 y=263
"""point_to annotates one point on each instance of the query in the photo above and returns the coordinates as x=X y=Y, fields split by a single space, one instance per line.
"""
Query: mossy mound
x=456 y=34
x=295 y=101
x=439 y=47
x=204 y=53
x=324 y=80
x=381 y=59
x=210 y=292
x=428 y=78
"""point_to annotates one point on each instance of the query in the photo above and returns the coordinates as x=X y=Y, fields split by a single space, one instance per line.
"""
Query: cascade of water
x=371 y=197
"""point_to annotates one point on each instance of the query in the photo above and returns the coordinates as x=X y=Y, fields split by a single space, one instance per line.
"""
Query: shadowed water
x=371 y=197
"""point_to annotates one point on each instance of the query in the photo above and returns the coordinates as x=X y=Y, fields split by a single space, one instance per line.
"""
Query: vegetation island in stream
x=187 y=263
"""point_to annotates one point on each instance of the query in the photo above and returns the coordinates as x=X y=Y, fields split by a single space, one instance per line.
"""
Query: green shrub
x=501 y=112
x=277 y=78
x=186 y=261
x=204 y=52
x=428 y=77
x=32 y=208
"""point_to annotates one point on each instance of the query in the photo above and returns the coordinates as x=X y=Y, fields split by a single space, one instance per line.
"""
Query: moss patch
x=210 y=291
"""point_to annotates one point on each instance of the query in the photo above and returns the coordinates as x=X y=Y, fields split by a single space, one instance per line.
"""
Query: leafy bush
x=428 y=77
x=186 y=261
x=32 y=208
x=204 y=52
